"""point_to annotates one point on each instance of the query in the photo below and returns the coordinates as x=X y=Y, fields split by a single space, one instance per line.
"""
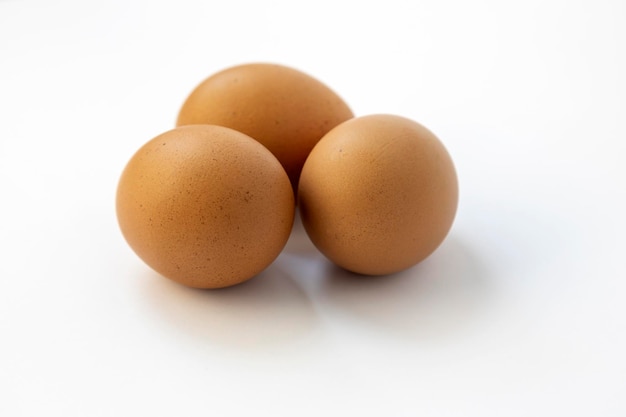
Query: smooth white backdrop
x=520 y=312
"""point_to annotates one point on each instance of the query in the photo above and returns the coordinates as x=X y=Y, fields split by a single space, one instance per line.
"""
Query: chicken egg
x=378 y=194
x=285 y=109
x=205 y=206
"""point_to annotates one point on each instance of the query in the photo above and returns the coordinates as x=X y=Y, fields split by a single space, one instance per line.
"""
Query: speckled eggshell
x=205 y=206
x=378 y=194
x=286 y=110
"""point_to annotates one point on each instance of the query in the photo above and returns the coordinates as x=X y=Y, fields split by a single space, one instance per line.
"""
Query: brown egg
x=284 y=109
x=378 y=194
x=205 y=206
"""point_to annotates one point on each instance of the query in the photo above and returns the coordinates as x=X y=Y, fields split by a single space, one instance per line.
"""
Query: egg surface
x=286 y=110
x=205 y=206
x=378 y=194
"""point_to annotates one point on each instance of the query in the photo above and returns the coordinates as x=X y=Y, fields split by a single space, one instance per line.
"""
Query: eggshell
x=284 y=109
x=205 y=206
x=378 y=194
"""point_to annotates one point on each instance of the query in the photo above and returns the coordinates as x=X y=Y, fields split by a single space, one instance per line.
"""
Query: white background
x=520 y=312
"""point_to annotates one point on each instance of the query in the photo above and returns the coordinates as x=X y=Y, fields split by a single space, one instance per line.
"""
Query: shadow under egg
x=267 y=311
x=299 y=243
x=437 y=298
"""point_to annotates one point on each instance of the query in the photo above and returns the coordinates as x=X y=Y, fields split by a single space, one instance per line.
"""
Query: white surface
x=521 y=311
